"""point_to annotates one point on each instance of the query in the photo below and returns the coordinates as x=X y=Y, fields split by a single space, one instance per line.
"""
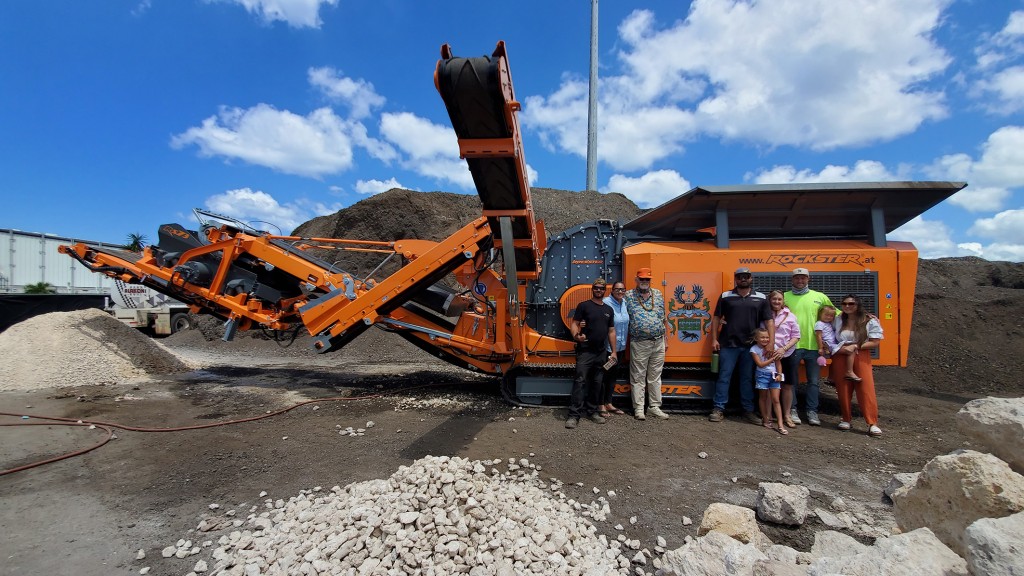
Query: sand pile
x=76 y=349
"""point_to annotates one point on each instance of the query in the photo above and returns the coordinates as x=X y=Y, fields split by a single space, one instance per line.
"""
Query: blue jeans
x=791 y=365
x=730 y=359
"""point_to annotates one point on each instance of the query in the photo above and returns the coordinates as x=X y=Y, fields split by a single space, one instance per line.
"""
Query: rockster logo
x=788 y=259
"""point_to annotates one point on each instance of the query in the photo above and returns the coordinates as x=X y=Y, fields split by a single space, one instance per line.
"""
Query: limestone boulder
x=782 y=503
x=713 y=554
x=733 y=521
x=899 y=481
x=829 y=543
x=953 y=491
x=995 y=546
x=997 y=426
x=916 y=553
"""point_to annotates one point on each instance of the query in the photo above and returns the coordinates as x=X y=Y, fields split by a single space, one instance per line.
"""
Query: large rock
x=955 y=490
x=995 y=546
x=917 y=553
x=997 y=425
x=782 y=503
x=829 y=543
x=733 y=521
x=899 y=481
x=777 y=568
x=713 y=554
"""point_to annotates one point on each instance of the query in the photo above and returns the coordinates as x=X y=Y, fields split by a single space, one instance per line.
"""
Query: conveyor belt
x=478 y=95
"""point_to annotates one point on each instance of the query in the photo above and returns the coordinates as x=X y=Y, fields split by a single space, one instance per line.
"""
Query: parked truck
x=142 y=307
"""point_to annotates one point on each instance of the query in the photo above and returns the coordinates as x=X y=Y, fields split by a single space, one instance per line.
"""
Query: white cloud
x=862 y=171
x=1000 y=84
x=314 y=145
x=651 y=189
x=430 y=149
x=932 y=238
x=257 y=207
x=377 y=186
x=990 y=178
x=809 y=73
x=358 y=94
x=1005 y=227
x=297 y=13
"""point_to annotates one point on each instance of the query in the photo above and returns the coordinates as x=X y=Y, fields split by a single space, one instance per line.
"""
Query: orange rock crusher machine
x=693 y=244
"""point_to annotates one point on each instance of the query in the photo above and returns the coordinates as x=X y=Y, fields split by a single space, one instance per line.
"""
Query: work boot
x=639 y=413
x=716 y=415
x=657 y=413
x=812 y=419
x=752 y=418
x=597 y=418
x=795 y=417
x=572 y=423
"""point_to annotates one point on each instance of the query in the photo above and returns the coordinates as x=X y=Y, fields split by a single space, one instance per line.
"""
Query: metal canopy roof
x=830 y=210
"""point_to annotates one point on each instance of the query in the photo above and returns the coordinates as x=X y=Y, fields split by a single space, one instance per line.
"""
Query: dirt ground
x=90 y=515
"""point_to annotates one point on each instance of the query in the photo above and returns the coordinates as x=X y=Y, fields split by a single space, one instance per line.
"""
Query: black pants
x=586 y=388
x=608 y=377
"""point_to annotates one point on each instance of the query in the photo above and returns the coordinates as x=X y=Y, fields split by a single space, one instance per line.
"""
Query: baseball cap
x=801 y=272
x=644 y=273
x=743 y=270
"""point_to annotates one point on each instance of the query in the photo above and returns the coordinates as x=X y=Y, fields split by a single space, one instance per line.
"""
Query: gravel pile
x=439 y=515
x=78 y=348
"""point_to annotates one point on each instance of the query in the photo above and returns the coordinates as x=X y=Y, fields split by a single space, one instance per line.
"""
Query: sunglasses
x=601 y=288
x=618 y=289
x=849 y=303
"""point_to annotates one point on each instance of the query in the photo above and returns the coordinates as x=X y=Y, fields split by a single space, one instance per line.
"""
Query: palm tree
x=40 y=288
x=136 y=242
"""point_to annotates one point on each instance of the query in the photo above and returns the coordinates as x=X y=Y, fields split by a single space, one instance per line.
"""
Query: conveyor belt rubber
x=477 y=93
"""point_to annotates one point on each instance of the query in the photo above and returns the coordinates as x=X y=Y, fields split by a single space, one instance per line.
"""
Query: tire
x=180 y=321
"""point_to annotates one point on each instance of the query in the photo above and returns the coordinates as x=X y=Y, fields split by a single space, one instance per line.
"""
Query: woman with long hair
x=787 y=335
x=863 y=334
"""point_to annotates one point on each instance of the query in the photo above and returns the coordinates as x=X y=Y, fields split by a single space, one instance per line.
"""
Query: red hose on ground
x=109 y=426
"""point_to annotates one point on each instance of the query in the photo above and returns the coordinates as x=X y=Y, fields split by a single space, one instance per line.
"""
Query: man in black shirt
x=592 y=329
x=738 y=312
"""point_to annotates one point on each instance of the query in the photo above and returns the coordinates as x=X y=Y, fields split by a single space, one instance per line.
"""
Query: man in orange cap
x=648 y=324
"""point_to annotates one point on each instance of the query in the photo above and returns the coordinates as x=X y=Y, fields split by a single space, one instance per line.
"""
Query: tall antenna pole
x=592 y=109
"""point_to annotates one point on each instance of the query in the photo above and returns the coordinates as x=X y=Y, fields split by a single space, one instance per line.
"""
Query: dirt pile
x=77 y=349
x=968 y=333
x=400 y=214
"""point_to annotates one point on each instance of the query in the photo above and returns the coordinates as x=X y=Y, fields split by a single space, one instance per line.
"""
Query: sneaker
x=812 y=419
x=597 y=418
x=657 y=413
x=752 y=418
x=875 y=430
x=716 y=415
x=639 y=415
x=795 y=417
x=844 y=425
x=572 y=422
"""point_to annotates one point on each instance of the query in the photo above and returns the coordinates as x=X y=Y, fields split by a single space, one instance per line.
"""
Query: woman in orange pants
x=864 y=332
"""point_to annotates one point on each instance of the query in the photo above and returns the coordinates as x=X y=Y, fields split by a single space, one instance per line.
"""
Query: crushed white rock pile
x=78 y=348
x=439 y=515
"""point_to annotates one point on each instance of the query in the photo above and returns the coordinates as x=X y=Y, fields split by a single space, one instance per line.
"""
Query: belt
x=651 y=338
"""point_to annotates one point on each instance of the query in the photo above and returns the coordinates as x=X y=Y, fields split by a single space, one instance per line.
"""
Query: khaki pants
x=646 y=359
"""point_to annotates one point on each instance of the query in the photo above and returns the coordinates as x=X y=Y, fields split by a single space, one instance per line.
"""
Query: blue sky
x=119 y=115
